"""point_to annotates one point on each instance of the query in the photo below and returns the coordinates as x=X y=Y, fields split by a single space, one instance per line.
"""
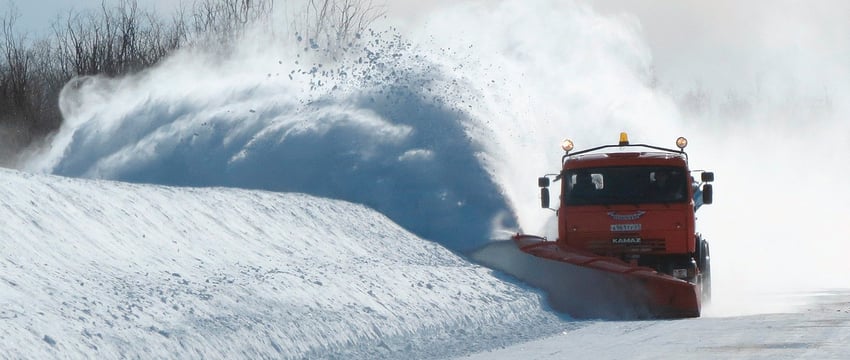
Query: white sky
x=37 y=15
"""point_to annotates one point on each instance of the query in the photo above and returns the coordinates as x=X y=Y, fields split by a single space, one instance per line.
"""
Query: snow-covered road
x=819 y=328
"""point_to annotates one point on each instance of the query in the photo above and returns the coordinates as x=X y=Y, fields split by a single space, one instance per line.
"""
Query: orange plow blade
x=662 y=296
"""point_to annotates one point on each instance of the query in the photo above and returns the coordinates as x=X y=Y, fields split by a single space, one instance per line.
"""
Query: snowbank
x=106 y=269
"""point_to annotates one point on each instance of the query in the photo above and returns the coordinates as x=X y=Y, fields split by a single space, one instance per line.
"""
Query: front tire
x=704 y=263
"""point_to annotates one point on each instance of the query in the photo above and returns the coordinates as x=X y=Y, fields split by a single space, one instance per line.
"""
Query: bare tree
x=117 y=40
x=17 y=61
x=334 y=24
x=121 y=38
x=224 y=20
x=25 y=89
x=112 y=40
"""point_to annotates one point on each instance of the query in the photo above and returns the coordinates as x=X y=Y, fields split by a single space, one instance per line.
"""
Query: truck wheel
x=705 y=268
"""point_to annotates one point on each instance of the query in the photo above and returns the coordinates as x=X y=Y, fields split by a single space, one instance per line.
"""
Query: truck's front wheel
x=704 y=264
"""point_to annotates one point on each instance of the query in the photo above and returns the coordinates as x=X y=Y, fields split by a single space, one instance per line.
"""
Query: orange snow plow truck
x=628 y=210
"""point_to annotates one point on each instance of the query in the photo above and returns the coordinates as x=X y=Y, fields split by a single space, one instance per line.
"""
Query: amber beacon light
x=624 y=139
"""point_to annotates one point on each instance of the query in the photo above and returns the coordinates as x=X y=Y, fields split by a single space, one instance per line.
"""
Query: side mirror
x=707 y=176
x=544 y=198
x=707 y=194
x=543 y=182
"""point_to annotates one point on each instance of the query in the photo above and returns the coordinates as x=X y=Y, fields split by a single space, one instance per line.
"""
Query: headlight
x=567 y=145
x=681 y=142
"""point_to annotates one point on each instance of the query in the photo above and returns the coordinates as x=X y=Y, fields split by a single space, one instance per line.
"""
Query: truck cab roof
x=648 y=158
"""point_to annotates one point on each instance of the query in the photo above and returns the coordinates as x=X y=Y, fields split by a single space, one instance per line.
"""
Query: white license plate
x=625 y=227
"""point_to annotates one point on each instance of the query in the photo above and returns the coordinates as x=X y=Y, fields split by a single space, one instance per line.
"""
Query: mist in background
x=763 y=89
x=445 y=123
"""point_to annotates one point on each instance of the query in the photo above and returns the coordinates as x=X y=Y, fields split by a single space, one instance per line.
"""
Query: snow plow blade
x=659 y=295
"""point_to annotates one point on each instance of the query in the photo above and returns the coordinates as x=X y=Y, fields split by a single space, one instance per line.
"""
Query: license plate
x=625 y=227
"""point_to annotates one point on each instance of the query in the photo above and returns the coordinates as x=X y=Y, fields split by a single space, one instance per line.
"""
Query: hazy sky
x=37 y=15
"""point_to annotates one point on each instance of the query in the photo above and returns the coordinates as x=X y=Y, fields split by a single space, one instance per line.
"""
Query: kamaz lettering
x=632 y=240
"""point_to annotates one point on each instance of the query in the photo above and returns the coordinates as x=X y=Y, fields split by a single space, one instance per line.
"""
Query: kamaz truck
x=629 y=210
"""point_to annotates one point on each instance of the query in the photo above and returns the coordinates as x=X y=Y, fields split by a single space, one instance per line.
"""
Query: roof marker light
x=624 y=139
x=681 y=142
x=567 y=145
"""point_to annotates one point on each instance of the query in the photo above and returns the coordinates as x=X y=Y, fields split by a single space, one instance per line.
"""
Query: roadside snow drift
x=101 y=269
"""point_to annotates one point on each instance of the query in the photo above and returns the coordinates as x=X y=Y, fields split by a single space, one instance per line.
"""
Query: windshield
x=625 y=185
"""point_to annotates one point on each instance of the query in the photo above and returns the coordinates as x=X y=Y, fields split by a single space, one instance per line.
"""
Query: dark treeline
x=121 y=38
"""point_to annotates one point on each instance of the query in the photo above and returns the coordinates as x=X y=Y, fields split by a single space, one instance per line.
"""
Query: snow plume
x=444 y=128
x=545 y=71
x=381 y=125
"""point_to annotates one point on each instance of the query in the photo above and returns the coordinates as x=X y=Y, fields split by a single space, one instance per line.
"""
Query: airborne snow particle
x=49 y=340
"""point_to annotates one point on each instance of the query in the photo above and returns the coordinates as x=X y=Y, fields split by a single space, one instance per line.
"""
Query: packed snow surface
x=101 y=269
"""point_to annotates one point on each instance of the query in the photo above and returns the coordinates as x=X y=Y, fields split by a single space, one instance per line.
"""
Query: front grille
x=645 y=246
